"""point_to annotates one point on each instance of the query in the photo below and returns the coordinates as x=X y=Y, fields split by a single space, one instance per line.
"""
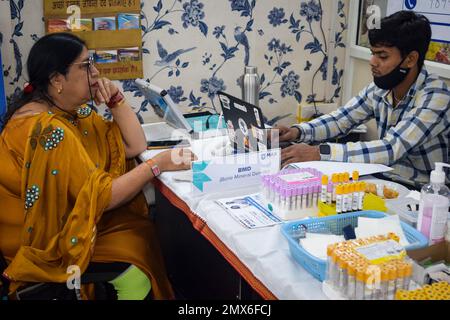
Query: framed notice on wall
x=437 y=11
x=110 y=28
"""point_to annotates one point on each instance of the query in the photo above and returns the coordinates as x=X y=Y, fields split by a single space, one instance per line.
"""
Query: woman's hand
x=106 y=89
x=174 y=159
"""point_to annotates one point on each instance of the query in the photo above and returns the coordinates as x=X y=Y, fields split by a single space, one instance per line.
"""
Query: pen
x=162 y=147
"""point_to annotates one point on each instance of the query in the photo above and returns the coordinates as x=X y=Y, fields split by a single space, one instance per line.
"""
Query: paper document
x=368 y=227
x=317 y=244
x=330 y=167
x=248 y=211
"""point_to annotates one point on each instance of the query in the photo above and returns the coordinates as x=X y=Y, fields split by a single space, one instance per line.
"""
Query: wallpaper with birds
x=194 y=48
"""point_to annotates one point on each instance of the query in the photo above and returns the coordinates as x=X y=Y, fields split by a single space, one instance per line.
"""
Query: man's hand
x=287 y=134
x=299 y=153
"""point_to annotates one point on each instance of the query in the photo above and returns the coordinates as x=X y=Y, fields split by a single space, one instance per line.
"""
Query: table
x=199 y=264
x=185 y=222
x=268 y=269
x=209 y=255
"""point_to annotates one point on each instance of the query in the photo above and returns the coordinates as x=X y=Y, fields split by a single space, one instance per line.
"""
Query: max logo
x=267 y=155
x=244 y=169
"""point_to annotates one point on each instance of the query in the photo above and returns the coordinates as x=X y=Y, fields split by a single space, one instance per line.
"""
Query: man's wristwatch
x=155 y=169
x=325 y=152
x=299 y=132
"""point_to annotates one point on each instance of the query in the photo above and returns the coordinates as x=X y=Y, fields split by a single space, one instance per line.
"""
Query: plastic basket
x=335 y=224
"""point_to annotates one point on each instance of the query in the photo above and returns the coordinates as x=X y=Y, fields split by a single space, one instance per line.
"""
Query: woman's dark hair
x=51 y=54
x=405 y=30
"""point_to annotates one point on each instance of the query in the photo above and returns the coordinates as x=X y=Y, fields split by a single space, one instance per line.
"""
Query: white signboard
x=437 y=11
x=240 y=170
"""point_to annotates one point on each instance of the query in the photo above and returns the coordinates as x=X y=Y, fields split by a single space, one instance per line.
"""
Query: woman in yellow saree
x=68 y=195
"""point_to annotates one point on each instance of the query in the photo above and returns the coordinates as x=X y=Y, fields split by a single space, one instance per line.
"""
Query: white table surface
x=264 y=251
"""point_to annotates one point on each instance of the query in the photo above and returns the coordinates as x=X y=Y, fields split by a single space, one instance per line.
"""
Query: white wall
x=284 y=90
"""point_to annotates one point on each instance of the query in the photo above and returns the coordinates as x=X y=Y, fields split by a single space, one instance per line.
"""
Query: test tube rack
x=292 y=193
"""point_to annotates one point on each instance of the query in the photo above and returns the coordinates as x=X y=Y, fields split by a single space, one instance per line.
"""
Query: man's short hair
x=405 y=30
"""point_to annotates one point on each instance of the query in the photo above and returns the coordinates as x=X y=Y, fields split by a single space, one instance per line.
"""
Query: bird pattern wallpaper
x=195 y=48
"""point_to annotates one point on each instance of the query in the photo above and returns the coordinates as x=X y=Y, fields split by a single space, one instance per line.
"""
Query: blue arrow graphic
x=199 y=166
x=199 y=179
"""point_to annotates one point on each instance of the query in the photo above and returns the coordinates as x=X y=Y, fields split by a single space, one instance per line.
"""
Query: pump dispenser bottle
x=434 y=203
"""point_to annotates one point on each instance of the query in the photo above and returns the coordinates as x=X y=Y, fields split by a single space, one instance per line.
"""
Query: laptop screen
x=245 y=124
x=163 y=105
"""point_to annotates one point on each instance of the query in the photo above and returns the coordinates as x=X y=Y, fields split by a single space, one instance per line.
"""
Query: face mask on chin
x=393 y=78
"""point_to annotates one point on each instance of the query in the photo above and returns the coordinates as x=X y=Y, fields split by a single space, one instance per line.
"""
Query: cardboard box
x=437 y=252
x=306 y=111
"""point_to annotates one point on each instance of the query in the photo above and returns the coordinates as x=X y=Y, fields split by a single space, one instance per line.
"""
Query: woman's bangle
x=116 y=100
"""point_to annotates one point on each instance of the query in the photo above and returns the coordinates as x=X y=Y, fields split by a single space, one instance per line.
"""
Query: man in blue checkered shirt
x=411 y=108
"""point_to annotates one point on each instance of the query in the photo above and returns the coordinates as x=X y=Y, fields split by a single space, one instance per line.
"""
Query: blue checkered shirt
x=411 y=137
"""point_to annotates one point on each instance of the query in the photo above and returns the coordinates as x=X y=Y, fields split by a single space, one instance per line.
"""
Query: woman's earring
x=59 y=90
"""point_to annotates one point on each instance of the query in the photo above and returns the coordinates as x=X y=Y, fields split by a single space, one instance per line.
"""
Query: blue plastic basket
x=335 y=224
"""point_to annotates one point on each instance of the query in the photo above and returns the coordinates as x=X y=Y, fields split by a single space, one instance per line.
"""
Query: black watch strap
x=299 y=132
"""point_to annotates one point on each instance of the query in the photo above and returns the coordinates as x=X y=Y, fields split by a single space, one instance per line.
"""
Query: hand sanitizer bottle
x=434 y=203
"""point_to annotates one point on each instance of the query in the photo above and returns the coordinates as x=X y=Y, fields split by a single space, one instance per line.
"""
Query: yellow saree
x=55 y=184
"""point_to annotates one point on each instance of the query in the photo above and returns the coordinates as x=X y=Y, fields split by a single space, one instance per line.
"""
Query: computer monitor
x=163 y=105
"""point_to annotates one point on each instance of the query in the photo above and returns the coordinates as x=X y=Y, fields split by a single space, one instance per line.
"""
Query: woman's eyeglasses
x=88 y=64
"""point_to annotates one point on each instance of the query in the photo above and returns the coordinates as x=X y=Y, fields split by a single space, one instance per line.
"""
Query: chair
x=97 y=273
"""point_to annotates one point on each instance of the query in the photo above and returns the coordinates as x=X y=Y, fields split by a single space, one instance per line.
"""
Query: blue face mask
x=393 y=78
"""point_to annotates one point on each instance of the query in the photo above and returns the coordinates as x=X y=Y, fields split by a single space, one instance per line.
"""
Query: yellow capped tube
x=330 y=263
x=323 y=193
x=350 y=197
x=370 y=283
x=384 y=283
x=392 y=282
x=351 y=281
x=401 y=295
x=362 y=189
x=345 y=198
x=346 y=177
x=335 y=181
x=343 y=275
x=401 y=272
x=360 y=282
x=339 y=192
x=355 y=196
x=334 y=272
x=408 y=274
